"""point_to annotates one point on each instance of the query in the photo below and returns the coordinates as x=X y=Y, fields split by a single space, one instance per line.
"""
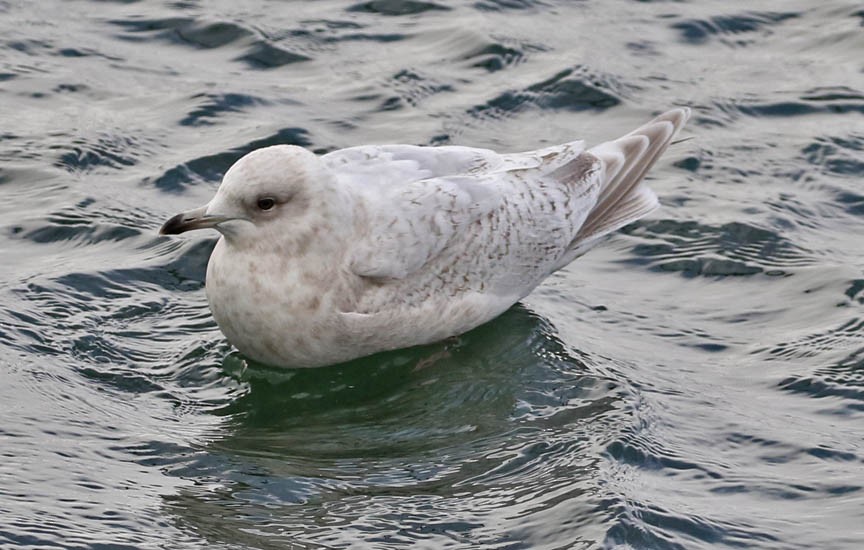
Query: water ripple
x=697 y=31
x=571 y=89
x=397 y=7
x=731 y=249
x=212 y=167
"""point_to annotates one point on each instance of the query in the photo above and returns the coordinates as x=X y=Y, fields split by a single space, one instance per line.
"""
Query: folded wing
x=410 y=224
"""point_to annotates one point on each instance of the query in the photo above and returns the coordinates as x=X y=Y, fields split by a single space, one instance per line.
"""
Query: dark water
x=695 y=382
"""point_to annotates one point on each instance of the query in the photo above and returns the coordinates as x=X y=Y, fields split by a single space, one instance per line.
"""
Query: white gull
x=323 y=259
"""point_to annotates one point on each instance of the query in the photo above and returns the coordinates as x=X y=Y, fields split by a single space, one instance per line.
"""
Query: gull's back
x=450 y=224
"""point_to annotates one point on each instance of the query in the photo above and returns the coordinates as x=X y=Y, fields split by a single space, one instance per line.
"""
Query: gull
x=324 y=259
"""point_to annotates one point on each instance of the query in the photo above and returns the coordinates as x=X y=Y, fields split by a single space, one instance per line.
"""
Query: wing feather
x=399 y=164
x=417 y=199
x=413 y=223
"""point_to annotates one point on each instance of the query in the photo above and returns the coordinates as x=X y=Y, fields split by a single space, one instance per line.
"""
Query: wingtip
x=685 y=113
x=622 y=199
x=678 y=117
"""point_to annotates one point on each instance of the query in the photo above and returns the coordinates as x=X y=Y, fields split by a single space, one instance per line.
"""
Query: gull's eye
x=266 y=203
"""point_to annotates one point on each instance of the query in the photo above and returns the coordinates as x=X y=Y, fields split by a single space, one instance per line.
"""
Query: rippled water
x=697 y=381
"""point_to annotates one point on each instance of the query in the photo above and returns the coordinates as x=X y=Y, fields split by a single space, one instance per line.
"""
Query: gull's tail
x=623 y=199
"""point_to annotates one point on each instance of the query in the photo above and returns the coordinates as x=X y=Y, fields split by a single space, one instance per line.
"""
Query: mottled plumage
x=328 y=258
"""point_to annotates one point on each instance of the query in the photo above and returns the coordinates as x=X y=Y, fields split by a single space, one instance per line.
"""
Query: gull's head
x=269 y=195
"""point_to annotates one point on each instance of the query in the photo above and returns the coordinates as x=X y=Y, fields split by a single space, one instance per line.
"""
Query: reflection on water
x=491 y=428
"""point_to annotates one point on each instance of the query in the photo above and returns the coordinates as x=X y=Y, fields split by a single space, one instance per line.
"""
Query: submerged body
x=327 y=258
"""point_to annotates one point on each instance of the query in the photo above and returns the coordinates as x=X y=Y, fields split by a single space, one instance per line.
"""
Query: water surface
x=695 y=382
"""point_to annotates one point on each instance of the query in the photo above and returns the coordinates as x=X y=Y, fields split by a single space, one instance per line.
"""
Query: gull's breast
x=273 y=310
